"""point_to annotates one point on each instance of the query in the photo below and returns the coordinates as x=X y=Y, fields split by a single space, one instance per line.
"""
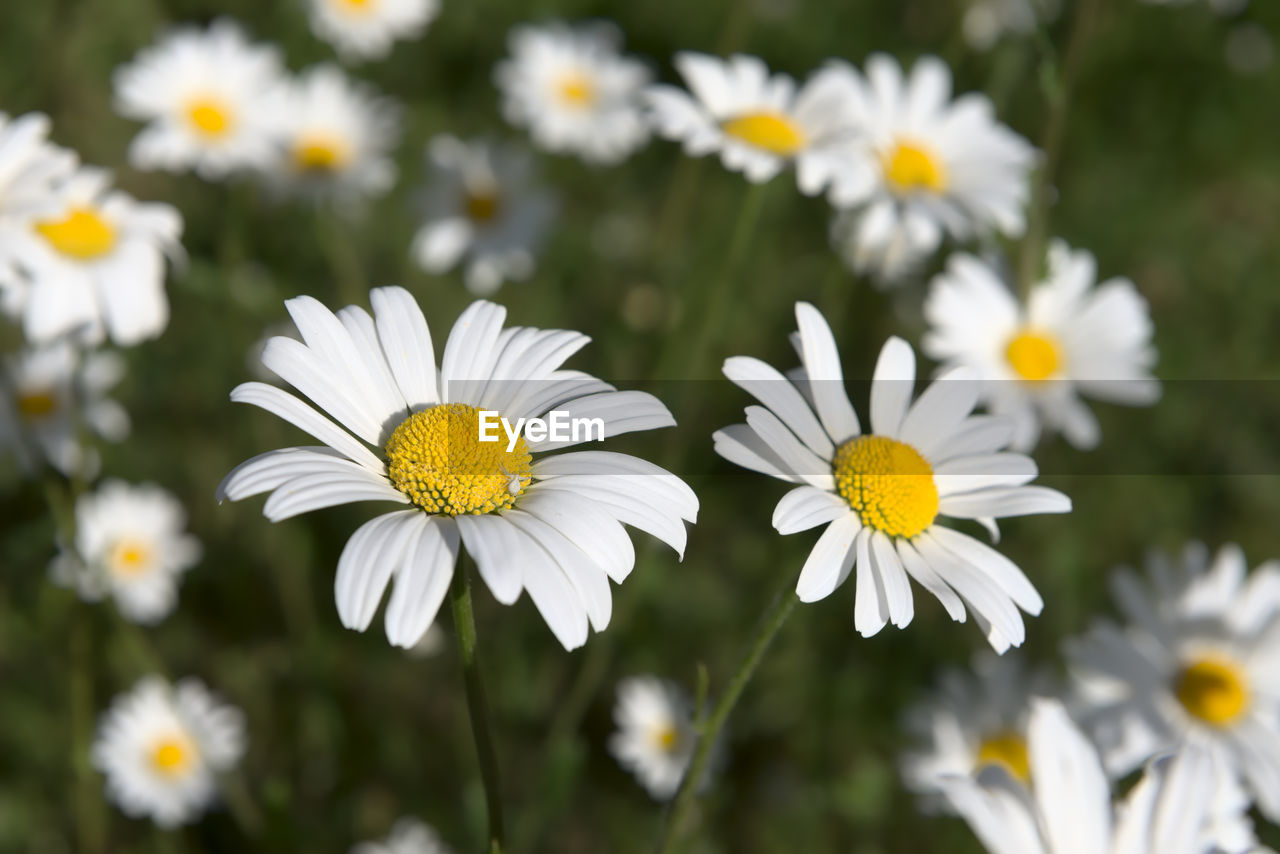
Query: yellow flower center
x=1034 y=356
x=1007 y=750
x=1215 y=690
x=362 y=6
x=82 y=234
x=576 y=89
x=35 y=404
x=129 y=557
x=910 y=166
x=173 y=755
x=437 y=459
x=210 y=117
x=774 y=132
x=888 y=483
x=666 y=738
x=320 y=154
x=482 y=205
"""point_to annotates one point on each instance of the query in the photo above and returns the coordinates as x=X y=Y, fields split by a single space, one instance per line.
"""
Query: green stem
x=770 y=623
x=464 y=625
x=90 y=823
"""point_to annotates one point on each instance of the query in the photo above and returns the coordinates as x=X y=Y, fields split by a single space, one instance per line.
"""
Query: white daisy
x=925 y=165
x=1199 y=662
x=987 y=21
x=211 y=101
x=758 y=122
x=978 y=718
x=574 y=90
x=48 y=393
x=130 y=544
x=96 y=268
x=1071 y=339
x=161 y=749
x=1174 y=809
x=407 y=836
x=481 y=209
x=655 y=738
x=336 y=137
x=552 y=527
x=881 y=495
x=31 y=175
x=366 y=29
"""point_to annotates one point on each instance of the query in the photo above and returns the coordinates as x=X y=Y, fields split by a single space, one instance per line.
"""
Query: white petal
x=284 y=405
x=624 y=471
x=555 y=598
x=870 y=610
x=999 y=502
x=891 y=387
x=313 y=375
x=627 y=508
x=919 y=569
x=406 y=343
x=897 y=589
x=1068 y=783
x=421 y=581
x=969 y=474
x=495 y=545
x=826 y=378
x=267 y=471
x=470 y=352
x=367 y=563
x=740 y=445
x=807 y=507
x=771 y=388
x=587 y=577
x=1004 y=572
x=328 y=489
x=940 y=409
x=831 y=560
x=588 y=527
x=811 y=468
x=985 y=599
x=621 y=412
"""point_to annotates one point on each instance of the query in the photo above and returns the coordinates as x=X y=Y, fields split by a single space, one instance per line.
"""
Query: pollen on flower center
x=210 y=117
x=482 y=204
x=576 y=89
x=82 y=234
x=1215 y=690
x=37 y=403
x=909 y=167
x=320 y=154
x=1034 y=356
x=666 y=738
x=129 y=557
x=437 y=459
x=173 y=755
x=1008 y=750
x=774 y=132
x=888 y=483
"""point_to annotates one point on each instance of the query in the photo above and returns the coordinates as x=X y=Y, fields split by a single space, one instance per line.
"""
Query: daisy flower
x=655 y=738
x=48 y=393
x=210 y=100
x=574 y=90
x=407 y=836
x=882 y=495
x=366 y=29
x=337 y=136
x=130 y=544
x=31 y=175
x=987 y=21
x=977 y=719
x=1174 y=809
x=96 y=267
x=925 y=165
x=161 y=748
x=1072 y=339
x=758 y=122
x=481 y=209
x=1199 y=662
x=551 y=526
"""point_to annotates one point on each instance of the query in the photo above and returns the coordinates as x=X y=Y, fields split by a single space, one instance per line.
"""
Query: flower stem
x=776 y=614
x=464 y=625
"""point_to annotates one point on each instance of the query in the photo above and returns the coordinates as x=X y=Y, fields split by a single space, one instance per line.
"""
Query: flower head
x=655 y=739
x=366 y=29
x=407 y=836
x=32 y=174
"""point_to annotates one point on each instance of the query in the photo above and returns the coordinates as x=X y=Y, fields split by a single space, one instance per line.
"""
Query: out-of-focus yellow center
x=129 y=557
x=888 y=483
x=82 y=233
x=666 y=738
x=210 y=117
x=357 y=5
x=1215 y=690
x=576 y=89
x=173 y=755
x=1034 y=356
x=775 y=132
x=482 y=204
x=910 y=167
x=320 y=154
x=1008 y=750
x=36 y=404
x=437 y=459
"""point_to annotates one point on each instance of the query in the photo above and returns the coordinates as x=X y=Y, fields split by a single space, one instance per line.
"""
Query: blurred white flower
x=1197 y=663
x=1249 y=49
x=161 y=749
x=130 y=544
x=211 y=101
x=32 y=173
x=880 y=496
x=758 y=122
x=655 y=739
x=977 y=718
x=48 y=394
x=482 y=209
x=988 y=21
x=1222 y=7
x=95 y=268
x=407 y=836
x=336 y=138
x=574 y=90
x=1072 y=338
x=366 y=29
x=551 y=527
x=1174 y=809
x=925 y=165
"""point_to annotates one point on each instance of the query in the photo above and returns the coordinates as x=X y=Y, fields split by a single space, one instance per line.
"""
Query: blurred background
x=1170 y=173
